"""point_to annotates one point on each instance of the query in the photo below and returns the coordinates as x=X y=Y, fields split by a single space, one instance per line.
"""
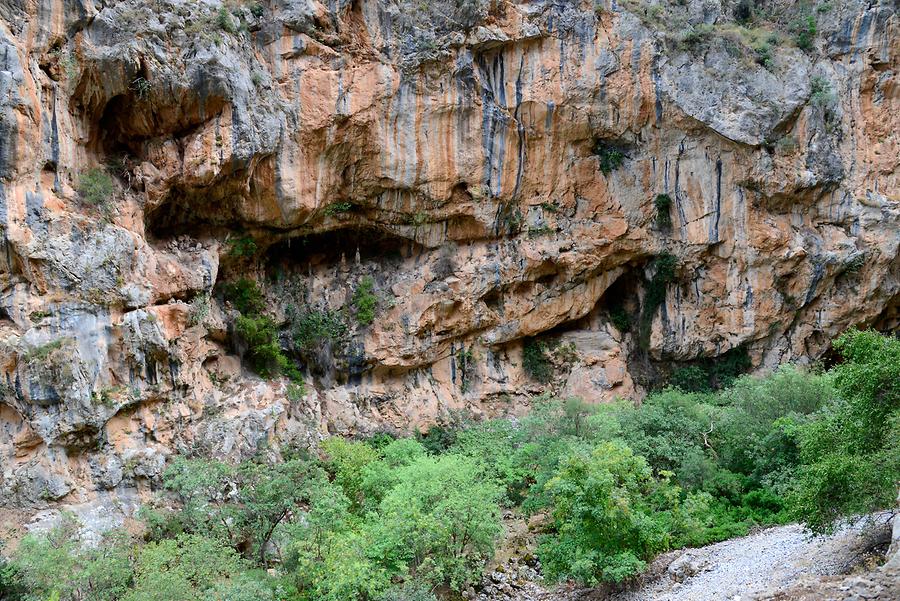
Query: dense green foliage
x=245 y=246
x=711 y=374
x=257 y=332
x=95 y=186
x=400 y=518
x=851 y=454
x=535 y=361
x=365 y=301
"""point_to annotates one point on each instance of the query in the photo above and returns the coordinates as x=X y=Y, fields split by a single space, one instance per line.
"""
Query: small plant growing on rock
x=42 y=353
x=804 y=30
x=141 y=88
x=36 y=316
x=820 y=94
x=465 y=366
x=697 y=36
x=260 y=335
x=337 y=208
x=245 y=246
x=786 y=145
x=611 y=158
x=226 y=21
x=257 y=9
x=199 y=309
x=665 y=266
x=245 y=295
x=313 y=327
x=95 y=186
x=365 y=301
x=295 y=391
x=535 y=361
x=619 y=317
x=852 y=265
x=663 y=204
x=764 y=56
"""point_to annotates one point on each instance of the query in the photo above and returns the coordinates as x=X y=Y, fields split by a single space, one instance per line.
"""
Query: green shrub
x=697 y=36
x=535 y=361
x=663 y=204
x=606 y=517
x=56 y=566
x=141 y=88
x=260 y=335
x=245 y=246
x=691 y=378
x=226 y=21
x=331 y=556
x=245 y=295
x=365 y=301
x=310 y=329
x=821 y=94
x=804 y=32
x=465 y=368
x=257 y=9
x=186 y=567
x=764 y=55
x=611 y=158
x=12 y=585
x=346 y=462
x=712 y=373
x=96 y=188
x=41 y=353
x=437 y=439
x=200 y=306
x=262 y=499
x=441 y=520
x=336 y=208
x=665 y=266
x=620 y=318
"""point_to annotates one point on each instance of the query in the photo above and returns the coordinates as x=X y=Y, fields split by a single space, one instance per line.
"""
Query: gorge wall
x=500 y=179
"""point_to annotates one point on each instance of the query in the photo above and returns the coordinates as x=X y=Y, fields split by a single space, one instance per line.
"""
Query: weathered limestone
x=458 y=169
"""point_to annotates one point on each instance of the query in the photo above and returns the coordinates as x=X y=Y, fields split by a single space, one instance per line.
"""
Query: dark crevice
x=329 y=248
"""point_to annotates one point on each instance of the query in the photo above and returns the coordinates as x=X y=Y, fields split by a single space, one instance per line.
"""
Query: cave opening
x=365 y=244
x=620 y=302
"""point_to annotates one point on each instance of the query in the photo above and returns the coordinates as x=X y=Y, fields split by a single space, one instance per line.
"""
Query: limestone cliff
x=496 y=178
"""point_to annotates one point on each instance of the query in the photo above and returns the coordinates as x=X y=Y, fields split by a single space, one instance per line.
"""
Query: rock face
x=501 y=179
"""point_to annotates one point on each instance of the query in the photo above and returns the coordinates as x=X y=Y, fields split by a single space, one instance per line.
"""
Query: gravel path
x=753 y=566
x=784 y=563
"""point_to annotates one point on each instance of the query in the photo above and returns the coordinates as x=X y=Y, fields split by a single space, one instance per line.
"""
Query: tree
x=851 y=452
x=346 y=461
x=441 y=520
x=57 y=566
x=243 y=503
x=331 y=557
x=605 y=526
x=185 y=568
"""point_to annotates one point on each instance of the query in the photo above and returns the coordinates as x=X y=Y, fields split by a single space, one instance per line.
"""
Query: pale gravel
x=745 y=568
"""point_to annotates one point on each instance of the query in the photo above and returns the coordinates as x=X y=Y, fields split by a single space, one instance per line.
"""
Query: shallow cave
x=329 y=248
x=620 y=302
x=194 y=211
